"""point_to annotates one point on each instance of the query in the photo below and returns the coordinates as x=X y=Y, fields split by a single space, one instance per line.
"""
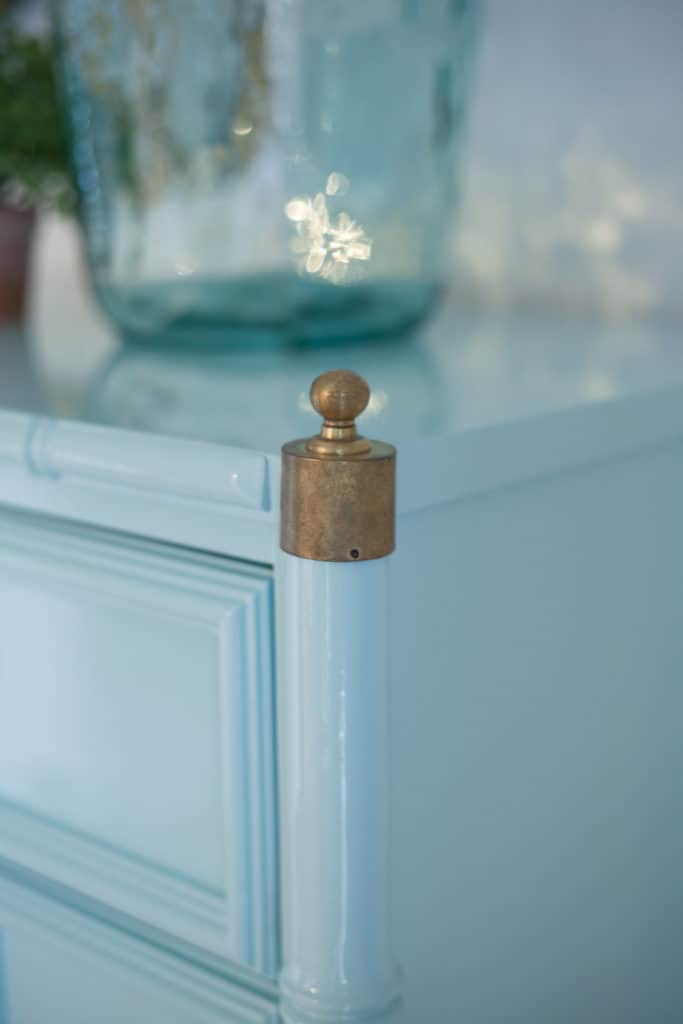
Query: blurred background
x=572 y=186
x=569 y=156
x=573 y=193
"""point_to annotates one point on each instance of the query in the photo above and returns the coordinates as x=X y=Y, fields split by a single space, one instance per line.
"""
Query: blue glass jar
x=265 y=169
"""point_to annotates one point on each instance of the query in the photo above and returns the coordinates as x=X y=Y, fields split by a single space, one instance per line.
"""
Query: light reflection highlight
x=330 y=248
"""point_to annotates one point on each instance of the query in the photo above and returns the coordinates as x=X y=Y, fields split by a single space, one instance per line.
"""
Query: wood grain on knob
x=340 y=395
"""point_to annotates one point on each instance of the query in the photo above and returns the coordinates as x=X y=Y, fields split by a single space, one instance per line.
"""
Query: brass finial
x=337 y=502
x=339 y=396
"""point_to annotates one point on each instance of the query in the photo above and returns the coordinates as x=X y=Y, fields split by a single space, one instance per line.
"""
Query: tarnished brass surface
x=338 y=489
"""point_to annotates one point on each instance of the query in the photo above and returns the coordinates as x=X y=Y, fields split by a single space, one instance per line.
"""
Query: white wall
x=573 y=181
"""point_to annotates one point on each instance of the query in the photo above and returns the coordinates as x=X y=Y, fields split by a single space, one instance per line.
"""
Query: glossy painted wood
x=201 y=495
x=59 y=450
x=535 y=617
x=183 y=447
x=334 y=794
x=60 y=967
x=136 y=732
x=537 y=763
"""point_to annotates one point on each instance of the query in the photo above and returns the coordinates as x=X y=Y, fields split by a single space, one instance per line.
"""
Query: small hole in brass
x=354 y=552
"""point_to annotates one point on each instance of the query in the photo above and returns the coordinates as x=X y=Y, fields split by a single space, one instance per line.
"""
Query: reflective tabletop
x=461 y=371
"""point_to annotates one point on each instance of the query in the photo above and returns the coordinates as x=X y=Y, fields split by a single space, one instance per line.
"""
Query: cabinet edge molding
x=149 y=463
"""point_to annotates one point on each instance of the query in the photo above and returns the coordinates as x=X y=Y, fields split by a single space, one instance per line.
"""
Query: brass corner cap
x=338 y=489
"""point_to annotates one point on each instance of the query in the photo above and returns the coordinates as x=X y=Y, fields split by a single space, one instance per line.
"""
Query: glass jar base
x=264 y=311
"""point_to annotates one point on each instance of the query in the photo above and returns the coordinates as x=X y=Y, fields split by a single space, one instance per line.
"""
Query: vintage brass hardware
x=338 y=488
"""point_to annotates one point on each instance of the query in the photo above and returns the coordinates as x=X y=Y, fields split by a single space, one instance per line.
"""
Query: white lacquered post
x=337 y=532
x=334 y=798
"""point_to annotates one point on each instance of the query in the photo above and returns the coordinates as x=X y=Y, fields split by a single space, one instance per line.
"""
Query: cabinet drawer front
x=136 y=741
x=59 y=967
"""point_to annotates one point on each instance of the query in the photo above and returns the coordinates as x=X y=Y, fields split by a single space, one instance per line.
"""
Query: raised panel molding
x=136 y=733
x=80 y=970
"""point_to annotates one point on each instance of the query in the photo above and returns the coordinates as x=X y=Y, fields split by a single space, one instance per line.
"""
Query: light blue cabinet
x=161 y=765
x=136 y=732
x=59 y=966
x=537 y=749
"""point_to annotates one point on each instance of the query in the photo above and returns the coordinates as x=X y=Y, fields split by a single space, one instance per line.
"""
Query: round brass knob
x=337 y=502
x=339 y=396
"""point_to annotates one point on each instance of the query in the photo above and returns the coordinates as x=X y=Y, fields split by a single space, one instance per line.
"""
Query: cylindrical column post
x=333 y=711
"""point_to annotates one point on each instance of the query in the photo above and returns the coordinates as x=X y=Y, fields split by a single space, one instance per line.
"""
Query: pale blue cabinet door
x=59 y=967
x=136 y=745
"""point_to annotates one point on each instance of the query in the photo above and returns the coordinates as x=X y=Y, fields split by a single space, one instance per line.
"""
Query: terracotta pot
x=16 y=231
